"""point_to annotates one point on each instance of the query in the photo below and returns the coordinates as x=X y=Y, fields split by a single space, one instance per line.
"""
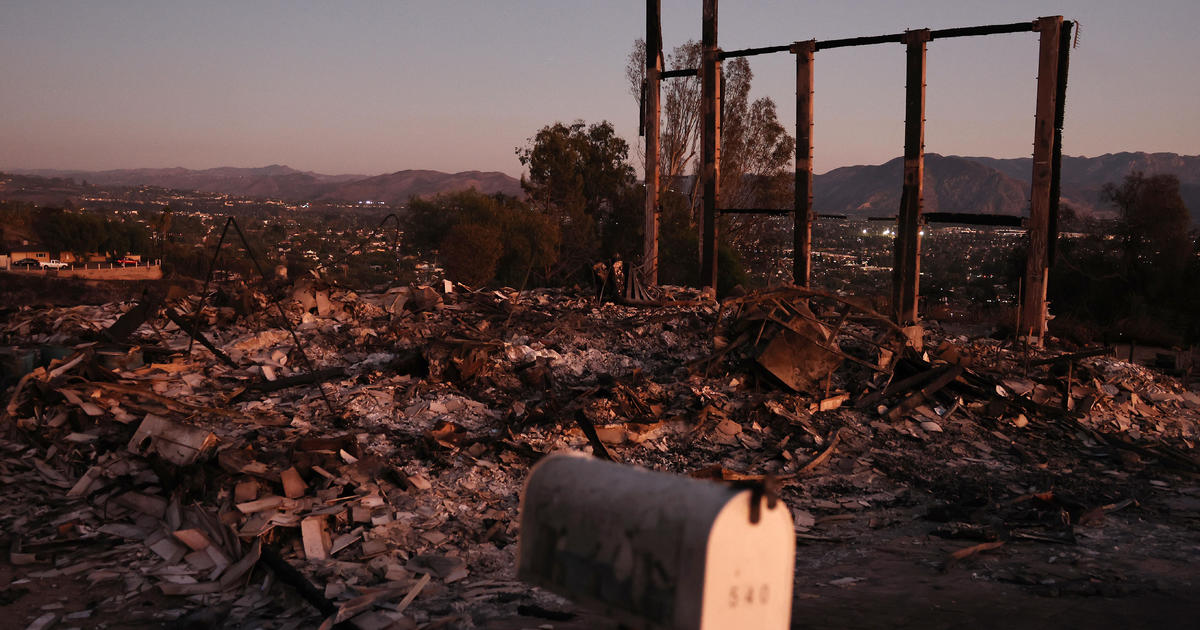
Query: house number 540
x=748 y=595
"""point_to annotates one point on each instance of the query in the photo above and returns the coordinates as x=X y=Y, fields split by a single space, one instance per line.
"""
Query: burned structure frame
x=1054 y=48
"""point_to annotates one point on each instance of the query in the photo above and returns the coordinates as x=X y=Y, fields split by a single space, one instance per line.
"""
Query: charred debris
x=306 y=456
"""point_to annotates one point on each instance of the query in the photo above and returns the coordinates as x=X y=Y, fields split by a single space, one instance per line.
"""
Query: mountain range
x=952 y=183
x=289 y=184
x=995 y=185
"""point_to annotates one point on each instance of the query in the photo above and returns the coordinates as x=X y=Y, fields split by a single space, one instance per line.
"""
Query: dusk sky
x=375 y=87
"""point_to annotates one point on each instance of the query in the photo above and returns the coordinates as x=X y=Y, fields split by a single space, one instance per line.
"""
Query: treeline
x=80 y=233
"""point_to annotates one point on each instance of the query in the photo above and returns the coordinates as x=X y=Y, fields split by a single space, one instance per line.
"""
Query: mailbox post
x=655 y=550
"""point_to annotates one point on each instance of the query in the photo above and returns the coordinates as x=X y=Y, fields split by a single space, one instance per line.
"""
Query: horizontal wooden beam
x=973 y=31
x=675 y=74
x=966 y=218
x=777 y=212
x=750 y=52
x=893 y=38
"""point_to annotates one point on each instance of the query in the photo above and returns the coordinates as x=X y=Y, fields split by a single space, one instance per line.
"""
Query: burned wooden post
x=802 y=202
x=1033 y=299
x=710 y=107
x=1060 y=100
x=907 y=270
x=653 y=71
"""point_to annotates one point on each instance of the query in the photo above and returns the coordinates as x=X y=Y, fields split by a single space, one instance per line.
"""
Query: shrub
x=470 y=252
x=482 y=238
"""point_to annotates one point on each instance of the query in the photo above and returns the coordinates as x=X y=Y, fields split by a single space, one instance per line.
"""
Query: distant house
x=71 y=257
x=25 y=249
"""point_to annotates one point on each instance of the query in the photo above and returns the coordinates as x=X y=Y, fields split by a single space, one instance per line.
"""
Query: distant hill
x=994 y=185
x=952 y=184
x=1083 y=177
x=398 y=187
x=283 y=182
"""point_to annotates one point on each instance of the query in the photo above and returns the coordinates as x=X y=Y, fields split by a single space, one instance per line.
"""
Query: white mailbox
x=656 y=550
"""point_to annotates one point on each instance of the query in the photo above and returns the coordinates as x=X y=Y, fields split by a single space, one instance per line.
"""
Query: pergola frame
x=1054 y=41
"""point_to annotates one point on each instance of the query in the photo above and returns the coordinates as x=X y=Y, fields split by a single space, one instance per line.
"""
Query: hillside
x=398 y=187
x=952 y=184
x=283 y=182
x=1083 y=177
x=994 y=185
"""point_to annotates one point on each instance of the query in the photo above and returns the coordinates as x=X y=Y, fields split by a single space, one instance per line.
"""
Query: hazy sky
x=374 y=87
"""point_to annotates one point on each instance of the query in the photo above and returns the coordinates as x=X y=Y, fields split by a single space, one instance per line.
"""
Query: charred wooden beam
x=1033 y=300
x=1074 y=356
x=768 y=211
x=846 y=42
x=320 y=376
x=651 y=114
x=965 y=218
x=750 y=52
x=710 y=106
x=680 y=73
x=802 y=198
x=1064 y=57
x=895 y=38
x=196 y=335
x=972 y=31
x=125 y=325
x=906 y=272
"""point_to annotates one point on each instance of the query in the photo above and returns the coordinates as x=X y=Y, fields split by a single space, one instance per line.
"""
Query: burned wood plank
x=1073 y=356
x=903 y=385
x=825 y=455
x=290 y=576
x=194 y=333
x=320 y=376
x=146 y=307
x=920 y=397
x=589 y=431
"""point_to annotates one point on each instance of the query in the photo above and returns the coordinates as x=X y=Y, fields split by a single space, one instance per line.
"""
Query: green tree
x=578 y=176
x=480 y=238
x=471 y=252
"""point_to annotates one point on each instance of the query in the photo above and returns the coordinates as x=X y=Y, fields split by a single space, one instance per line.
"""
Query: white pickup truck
x=53 y=264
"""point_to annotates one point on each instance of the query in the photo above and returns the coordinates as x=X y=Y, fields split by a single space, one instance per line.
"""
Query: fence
x=150 y=270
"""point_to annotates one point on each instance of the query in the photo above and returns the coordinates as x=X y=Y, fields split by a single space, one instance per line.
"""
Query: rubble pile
x=313 y=456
